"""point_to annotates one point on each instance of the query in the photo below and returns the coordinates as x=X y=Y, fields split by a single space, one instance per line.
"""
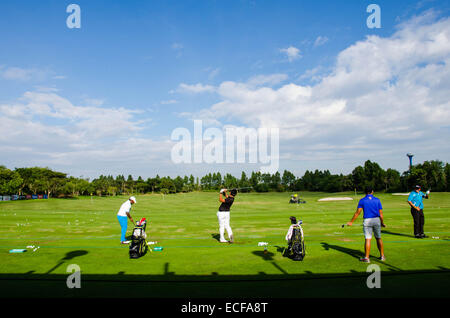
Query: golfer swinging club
x=373 y=221
x=223 y=214
x=123 y=215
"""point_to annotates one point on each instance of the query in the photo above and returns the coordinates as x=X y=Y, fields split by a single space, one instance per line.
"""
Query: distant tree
x=417 y=176
x=112 y=190
x=141 y=185
x=75 y=187
x=10 y=181
x=244 y=182
x=255 y=179
x=179 y=183
x=435 y=174
x=229 y=181
x=130 y=184
x=392 y=180
x=288 y=180
x=359 y=178
x=120 y=183
x=153 y=184
x=168 y=184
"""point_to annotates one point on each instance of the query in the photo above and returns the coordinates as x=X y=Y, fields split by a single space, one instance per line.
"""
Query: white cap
x=133 y=199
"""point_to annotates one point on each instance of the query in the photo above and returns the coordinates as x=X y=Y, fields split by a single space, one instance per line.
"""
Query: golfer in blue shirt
x=415 y=200
x=373 y=221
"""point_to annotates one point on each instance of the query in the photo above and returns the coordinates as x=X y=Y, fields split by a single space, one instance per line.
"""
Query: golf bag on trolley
x=296 y=245
x=138 y=246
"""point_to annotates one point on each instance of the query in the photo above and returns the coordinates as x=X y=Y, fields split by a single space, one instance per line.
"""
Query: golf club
x=343 y=225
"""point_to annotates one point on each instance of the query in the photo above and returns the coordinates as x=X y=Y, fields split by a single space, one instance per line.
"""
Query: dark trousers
x=419 y=221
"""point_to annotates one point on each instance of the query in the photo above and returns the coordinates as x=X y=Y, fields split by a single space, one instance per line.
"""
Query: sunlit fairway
x=85 y=231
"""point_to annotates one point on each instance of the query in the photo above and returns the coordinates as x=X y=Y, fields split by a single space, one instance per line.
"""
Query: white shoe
x=223 y=241
x=125 y=242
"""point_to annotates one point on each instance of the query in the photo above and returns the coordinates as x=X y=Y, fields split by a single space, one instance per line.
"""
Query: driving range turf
x=85 y=231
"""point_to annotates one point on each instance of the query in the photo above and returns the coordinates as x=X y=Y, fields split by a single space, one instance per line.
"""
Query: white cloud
x=212 y=72
x=177 y=46
x=390 y=94
x=94 y=101
x=292 y=53
x=270 y=80
x=22 y=74
x=195 y=88
x=46 y=89
x=320 y=40
x=314 y=75
x=168 y=102
x=43 y=128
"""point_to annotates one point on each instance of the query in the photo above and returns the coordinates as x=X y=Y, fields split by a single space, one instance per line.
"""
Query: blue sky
x=132 y=58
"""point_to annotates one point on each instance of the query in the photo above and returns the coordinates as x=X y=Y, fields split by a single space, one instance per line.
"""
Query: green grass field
x=85 y=231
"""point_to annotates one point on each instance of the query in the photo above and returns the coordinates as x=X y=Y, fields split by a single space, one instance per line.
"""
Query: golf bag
x=296 y=246
x=138 y=246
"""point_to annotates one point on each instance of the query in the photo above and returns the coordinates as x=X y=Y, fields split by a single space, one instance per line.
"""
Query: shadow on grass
x=356 y=254
x=265 y=255
x=396 y=282
x=69 y=256
x=280 y=249
x=268 y=256
x=349 y=251
x=398 y=234
x=419 y=283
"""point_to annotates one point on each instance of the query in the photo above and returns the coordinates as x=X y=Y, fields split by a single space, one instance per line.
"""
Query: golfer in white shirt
x=123 y=215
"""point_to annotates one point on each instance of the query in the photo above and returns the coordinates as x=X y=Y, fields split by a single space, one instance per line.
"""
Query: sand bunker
x=400 y=193
x=336 y=199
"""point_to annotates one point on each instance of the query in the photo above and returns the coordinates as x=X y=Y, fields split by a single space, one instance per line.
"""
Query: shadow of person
x=166 y=270
x=356 y=254
x=352 y=252
x=398 y=234
x=267 y=256
x=216 y=237
x=69 y=255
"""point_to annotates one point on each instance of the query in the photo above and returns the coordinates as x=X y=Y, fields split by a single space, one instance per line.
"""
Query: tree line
x=433 y=175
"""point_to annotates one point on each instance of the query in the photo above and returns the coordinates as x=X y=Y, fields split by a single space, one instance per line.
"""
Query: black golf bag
x=296 y=246
x=138 y=246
